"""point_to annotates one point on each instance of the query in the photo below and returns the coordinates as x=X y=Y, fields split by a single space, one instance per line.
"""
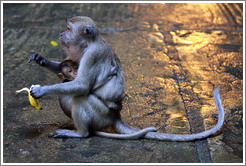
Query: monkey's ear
x=89 y=32
x=61 y=76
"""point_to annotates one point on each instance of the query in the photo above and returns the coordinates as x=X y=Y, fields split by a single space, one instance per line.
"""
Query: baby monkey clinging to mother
x=93 y=99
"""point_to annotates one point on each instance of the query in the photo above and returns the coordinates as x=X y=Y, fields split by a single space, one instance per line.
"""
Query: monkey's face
x=69 y=69
x=79 y=30
x=69 y=72
x=68 y=36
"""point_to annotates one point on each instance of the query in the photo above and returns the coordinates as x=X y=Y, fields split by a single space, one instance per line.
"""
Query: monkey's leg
x=80 y=109
x=66 y=104
x=80 y=124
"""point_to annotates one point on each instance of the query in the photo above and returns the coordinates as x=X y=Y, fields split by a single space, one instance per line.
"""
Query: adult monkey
x=89 y=113
x=83 y=98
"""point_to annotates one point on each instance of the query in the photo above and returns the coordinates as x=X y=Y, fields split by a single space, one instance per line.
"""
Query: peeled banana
x=33 y=102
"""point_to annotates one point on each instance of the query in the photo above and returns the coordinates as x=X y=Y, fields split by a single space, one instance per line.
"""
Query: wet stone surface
x=173 y=56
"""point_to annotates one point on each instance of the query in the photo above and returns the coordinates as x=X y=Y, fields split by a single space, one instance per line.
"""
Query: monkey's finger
x=42 y=62
x=32 y=57
x=34 y=91
x=33 y=94
x=37 y=58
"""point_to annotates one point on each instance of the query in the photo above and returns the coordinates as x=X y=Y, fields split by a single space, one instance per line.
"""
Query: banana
x=33 y=102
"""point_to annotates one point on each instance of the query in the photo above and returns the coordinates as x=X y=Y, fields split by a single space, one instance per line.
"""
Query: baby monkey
x=68 y=70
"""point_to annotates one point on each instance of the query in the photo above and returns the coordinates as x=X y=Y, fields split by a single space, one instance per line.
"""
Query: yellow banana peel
x=33 y=102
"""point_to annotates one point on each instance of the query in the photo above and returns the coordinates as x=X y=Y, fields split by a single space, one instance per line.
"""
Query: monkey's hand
x=38 y=59
x=37 y=91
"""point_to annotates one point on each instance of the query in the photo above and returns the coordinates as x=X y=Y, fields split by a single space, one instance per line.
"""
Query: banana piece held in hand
x=33 y=102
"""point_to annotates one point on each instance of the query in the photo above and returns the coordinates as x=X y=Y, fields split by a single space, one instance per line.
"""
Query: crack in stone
x=190 y=100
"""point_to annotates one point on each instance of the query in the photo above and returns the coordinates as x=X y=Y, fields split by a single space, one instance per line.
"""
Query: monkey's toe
x=55 y=135
x=59 y=134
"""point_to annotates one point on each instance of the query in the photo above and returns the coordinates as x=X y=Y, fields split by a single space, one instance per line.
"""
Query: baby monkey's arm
x=50 y=65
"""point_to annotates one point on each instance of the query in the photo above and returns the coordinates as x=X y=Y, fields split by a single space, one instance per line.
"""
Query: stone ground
x=173 y=56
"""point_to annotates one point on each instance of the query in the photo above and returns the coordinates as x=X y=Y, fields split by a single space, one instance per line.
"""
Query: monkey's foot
x=67 y=133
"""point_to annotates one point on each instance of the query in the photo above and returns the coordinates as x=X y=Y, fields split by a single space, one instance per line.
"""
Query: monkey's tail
x=135 y=135
x=191 y=137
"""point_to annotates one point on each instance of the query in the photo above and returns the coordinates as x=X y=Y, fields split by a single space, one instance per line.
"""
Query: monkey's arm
x=73 y=88
x=81 y=85
x=50 y=65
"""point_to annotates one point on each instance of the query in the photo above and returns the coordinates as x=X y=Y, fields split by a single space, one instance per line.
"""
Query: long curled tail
x=135 y=135
x=189 y=137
